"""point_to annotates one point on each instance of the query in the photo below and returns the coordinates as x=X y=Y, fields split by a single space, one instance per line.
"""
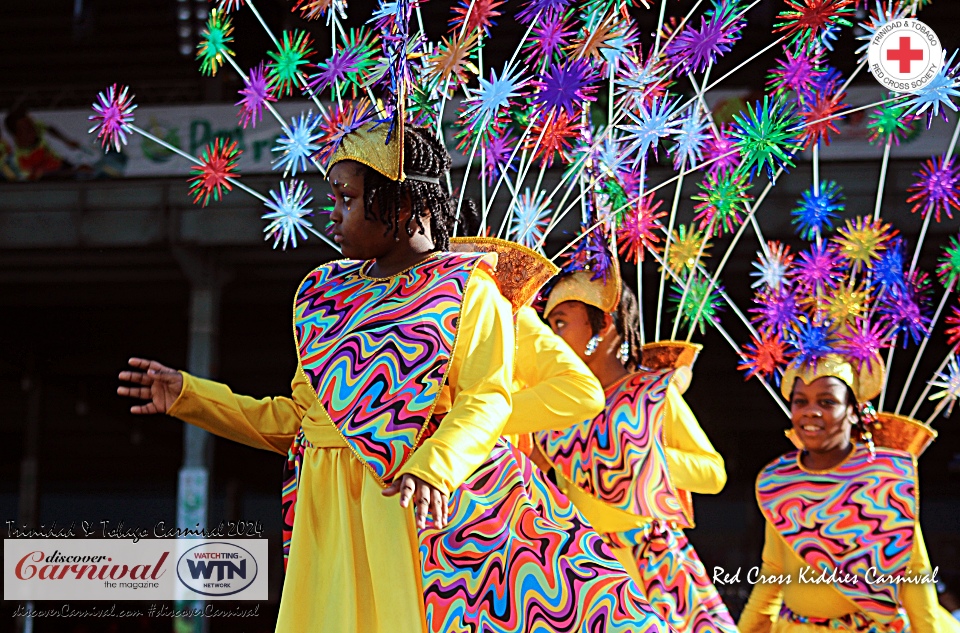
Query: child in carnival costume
x=843 y=549
x=631 y=469
x=405 y=359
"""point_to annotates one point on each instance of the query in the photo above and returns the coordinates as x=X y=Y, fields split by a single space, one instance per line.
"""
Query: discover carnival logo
x=217 y=569
x=150 y=569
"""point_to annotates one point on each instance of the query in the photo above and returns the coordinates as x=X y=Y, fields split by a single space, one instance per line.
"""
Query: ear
x=608 y=325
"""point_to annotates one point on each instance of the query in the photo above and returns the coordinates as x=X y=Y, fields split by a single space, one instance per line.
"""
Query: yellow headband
x=866 y=383
x=521 y=272
x=579 y=286
x=369 y=146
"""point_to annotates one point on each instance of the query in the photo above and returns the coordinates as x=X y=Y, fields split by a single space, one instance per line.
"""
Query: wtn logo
x=224 y=568
x=217 y=569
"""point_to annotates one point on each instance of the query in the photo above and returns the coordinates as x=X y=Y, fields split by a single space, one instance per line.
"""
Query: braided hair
x=865 y=417
x=626 y=319
x=424 y=155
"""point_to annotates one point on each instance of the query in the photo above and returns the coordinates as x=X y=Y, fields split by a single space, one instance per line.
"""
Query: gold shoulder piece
x=521 y=271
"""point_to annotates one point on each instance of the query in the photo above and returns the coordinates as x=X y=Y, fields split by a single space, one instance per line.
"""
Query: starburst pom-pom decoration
x=590 y=253
x=948 y=381
x=485 y=107
x=564 y=87
x=938 y=188
x=763 y=356
x=649 y=124
x=112 y=117
x=694 y=49
x=818 y=269
x=475 y=16
x=819 y=113
x=775 y=310
x=637 y=234
x=337 y=122
x=693 y=132
x=254 y=96
x=861 y=240
x=888 y=273
x=700 y=305
x=722 y=199
x=452 y=63
x=949 y=267
x=953 y=332
x=818 y=210
x=289 y=62
x=720 y=152
x=772 y=266
x=298 y=143
x=229 y=6
x=287 y=215
x=862 y=343
x=938 y=93
x=315 y=9
x=685 y=247
x=213 y=48
x=555 y=135
x=797 y=71
x=549 y=37
x=805 y=20
x=884 y=13
x=889 y=122
x=810 y=342
x=530 y=218
x=218 y=164
x=766 y=136
x=844 y=304
x=907 y=308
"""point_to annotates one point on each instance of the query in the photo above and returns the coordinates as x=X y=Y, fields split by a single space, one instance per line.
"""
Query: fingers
x=408 y=487
x=142 y=393
x=438 y=514
x=145 y=409
x=392 y=489
x=445 y=500
x=423 y=504
x=136 y=377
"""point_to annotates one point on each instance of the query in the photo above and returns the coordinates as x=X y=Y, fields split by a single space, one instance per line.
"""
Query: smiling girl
x=840 y=508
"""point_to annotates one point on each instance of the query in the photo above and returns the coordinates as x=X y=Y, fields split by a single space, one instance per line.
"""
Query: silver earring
x=624 y=353
x=592 y=345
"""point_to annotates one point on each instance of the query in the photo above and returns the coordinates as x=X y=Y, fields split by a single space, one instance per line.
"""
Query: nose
x=336 y=214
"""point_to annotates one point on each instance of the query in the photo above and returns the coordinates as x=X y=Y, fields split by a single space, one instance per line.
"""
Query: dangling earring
x=592 y=345
x=868 y=417
x=624 y=353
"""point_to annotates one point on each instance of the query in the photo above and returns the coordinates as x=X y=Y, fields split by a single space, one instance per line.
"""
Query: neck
x=825 y=460
x=408 y=252
x=607 y=367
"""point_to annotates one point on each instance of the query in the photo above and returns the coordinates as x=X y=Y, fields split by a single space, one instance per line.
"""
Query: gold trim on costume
x=865 y=382
x=520 y=271
x=580 y=286
x=369 y=146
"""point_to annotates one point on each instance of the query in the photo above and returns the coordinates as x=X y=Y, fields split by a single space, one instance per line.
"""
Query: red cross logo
x=905 y=54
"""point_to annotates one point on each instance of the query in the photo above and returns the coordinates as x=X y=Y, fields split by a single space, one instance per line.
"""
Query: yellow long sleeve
x=557 y=389
x=823 y=600
x=693 y=462
x=266 y=423
x=477 y=401
x=920 y=600
x=762 y=607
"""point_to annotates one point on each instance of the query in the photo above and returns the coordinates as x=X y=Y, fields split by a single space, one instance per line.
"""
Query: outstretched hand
x=426 y=499
x=158 y=384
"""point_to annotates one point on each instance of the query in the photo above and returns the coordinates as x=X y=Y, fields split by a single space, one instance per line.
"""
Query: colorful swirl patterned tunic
x=412 y=374
x=834 y=539
x=622 y=473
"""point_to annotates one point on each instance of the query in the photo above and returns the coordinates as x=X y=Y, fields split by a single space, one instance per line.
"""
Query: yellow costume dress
x=362 y=414
x=843 y=550
x=629 y=471
x=792 y=596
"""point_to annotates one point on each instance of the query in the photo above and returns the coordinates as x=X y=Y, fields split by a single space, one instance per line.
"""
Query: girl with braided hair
x=630 y=470
x=405 y=357
x=843 y=549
